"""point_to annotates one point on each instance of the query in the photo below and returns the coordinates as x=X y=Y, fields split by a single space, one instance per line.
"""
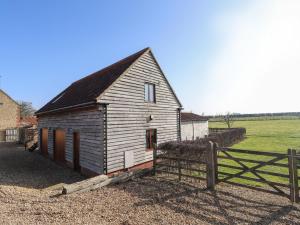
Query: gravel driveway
x=28 y=196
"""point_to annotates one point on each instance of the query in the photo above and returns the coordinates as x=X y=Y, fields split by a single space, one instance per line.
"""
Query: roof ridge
x=111 y=65
x=88 y=88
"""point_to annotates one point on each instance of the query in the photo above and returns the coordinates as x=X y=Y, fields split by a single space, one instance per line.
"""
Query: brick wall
x=9 y=112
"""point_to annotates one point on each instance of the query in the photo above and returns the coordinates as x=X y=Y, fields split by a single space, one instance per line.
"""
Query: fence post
x=216 y=161
x=154 y=160
x=210 y=167
x=293 y=173
x=179 y=166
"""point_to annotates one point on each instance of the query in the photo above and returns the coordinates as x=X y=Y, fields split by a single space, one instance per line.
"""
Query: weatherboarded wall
x=9 y=112
x=194 y=130
x=127 y=113
x=90 y=126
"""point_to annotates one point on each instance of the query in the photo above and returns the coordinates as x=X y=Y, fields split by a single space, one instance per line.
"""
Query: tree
x=228 y=119
x=26 y=109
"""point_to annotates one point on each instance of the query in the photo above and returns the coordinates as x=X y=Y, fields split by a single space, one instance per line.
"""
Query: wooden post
x=293 y=173
x=210 y=167
x=179 y=169
x=216 y=160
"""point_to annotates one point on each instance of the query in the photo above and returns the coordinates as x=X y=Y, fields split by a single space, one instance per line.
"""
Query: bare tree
x=228 y=119
x=26 y=109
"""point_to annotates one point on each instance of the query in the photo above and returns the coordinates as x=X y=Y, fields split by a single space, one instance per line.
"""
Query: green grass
x=264 y=135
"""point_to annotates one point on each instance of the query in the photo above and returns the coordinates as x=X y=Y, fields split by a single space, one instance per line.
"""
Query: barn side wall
x=89 y=124
x=194 y=130
x=128 y=113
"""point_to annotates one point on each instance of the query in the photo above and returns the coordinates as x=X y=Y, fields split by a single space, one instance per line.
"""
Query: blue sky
x=204 y=47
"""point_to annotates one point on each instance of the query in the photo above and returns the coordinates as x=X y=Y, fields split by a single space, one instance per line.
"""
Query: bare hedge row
x=226 y=137
x=223 y=137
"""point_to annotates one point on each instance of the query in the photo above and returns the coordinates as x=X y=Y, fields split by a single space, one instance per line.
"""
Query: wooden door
x=76 y=151
x=44 y=141
x=59 y=145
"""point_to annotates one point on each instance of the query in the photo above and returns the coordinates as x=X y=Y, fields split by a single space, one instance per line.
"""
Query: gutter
x=82 y=105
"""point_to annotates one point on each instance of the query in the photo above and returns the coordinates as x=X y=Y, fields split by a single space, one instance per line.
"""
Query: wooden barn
x=110 y=120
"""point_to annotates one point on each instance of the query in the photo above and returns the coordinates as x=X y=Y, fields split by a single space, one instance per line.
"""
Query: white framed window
x=150 y=92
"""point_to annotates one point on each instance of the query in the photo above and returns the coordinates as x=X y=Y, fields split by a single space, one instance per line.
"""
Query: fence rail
x=182 y=165
x=12 y=135
x=239 y=156
x=232 y=166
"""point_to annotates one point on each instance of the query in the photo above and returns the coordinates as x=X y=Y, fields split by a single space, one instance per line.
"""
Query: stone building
x=9 y=114
x=9 y=111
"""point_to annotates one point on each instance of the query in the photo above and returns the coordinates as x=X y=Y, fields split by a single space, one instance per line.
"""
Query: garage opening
x=44 y=141
x=76 y=151
x=59 y=145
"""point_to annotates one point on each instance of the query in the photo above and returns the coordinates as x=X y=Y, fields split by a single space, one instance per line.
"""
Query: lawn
x=266 y=135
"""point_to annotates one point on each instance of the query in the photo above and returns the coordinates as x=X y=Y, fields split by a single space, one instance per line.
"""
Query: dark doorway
x=44 y=141
x=76 y=151
x=59 y=145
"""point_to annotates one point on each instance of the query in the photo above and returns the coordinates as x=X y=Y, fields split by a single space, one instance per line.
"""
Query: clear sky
x=219 y=56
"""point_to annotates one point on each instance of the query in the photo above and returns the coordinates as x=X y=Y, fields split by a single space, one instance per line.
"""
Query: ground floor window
x=151 y=136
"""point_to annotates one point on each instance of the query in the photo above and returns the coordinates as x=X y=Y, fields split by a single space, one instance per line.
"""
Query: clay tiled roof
x=188 y=117
x=87 y=89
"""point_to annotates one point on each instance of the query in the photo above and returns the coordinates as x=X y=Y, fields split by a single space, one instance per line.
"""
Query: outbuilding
x=111 y=120
x=193 y=126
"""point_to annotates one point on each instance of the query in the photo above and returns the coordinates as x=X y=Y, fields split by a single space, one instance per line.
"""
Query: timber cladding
x=127 y=113
x=89 y=124
x=9 y=112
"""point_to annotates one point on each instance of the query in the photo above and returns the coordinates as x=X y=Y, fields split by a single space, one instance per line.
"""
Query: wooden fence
x=196 y=164
x=12 y=135
x=263 y=168
x=215 y=164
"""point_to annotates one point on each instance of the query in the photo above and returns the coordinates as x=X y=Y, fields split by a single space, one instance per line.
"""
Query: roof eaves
x=67 y=108
x=166 y=79
x=125 y=71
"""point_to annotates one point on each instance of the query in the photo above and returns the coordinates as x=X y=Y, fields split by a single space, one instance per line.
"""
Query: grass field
x=265 y=135
x=268 y=135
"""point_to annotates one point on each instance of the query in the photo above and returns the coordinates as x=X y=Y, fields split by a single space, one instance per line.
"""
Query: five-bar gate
x=275 y=173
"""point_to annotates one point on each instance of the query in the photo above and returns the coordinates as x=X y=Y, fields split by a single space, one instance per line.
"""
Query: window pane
x=151 y=92
x=147 y=92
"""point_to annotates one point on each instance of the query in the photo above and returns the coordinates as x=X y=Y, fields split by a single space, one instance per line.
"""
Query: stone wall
x=9 y=112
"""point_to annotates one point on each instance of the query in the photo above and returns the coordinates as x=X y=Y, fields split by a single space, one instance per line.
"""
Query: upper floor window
x=149 y=92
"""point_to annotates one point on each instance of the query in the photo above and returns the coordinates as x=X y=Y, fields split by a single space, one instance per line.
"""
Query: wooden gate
x=12 y=135
x=275 y=173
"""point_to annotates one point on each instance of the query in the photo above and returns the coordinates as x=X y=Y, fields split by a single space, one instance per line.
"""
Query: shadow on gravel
x=30 y=169
x=227 y=205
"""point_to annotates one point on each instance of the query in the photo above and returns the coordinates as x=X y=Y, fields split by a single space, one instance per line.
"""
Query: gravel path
x=28 y=196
